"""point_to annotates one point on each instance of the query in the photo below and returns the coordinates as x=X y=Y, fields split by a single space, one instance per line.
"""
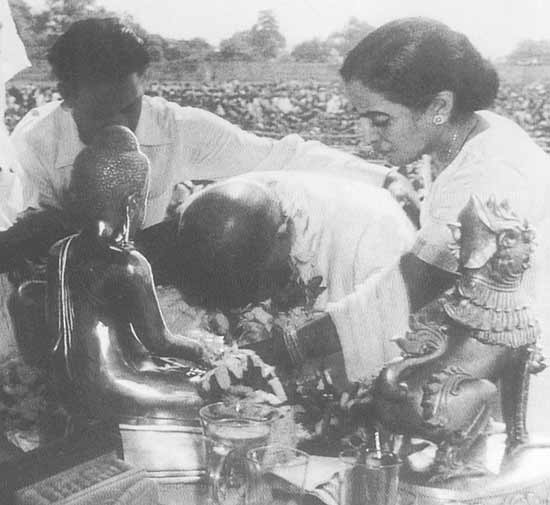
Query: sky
x=494 y=26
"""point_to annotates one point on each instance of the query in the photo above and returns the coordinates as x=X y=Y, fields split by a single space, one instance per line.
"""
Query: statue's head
x=233 y=243
x=109 y=184
x=491 y=233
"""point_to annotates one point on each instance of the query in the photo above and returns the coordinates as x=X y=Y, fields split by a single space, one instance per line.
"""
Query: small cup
x=230 y=431
x=369 y=477
x=277 y=474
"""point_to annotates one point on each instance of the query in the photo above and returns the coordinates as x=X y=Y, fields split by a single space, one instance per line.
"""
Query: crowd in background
x=314 y=110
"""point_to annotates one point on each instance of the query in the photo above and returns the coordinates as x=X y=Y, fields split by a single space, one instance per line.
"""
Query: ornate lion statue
x=480 y=333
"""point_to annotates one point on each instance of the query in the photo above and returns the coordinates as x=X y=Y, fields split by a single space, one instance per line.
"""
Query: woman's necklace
x=455 y=146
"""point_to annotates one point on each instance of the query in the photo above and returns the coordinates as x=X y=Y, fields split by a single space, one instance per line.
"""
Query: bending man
x=238 y=241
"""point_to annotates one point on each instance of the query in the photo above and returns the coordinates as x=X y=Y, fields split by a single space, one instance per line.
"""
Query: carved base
x=523 y=479
x=172 y=453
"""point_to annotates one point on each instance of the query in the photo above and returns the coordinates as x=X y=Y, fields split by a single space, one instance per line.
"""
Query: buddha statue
x=102 y=309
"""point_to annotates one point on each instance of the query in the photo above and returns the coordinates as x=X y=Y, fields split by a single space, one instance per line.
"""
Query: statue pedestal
x=524 y=480
x=172 y=452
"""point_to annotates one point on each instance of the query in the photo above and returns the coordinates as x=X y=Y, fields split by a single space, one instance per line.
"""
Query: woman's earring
x=438 y=120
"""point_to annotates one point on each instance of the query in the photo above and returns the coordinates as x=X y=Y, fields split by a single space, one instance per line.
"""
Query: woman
x=422 y=89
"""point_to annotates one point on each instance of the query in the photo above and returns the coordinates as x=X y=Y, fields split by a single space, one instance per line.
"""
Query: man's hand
x=403 y=191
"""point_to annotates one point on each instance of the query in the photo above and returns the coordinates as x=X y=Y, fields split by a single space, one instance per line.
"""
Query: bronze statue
x=460 y=346
x=102 y=306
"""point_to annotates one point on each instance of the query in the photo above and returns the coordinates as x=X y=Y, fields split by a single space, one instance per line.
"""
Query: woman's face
x=398 y=133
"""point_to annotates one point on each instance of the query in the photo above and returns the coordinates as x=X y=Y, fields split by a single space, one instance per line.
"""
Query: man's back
x=345 y=230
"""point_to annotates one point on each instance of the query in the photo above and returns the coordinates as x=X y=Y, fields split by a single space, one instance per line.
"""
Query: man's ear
x=442 y=105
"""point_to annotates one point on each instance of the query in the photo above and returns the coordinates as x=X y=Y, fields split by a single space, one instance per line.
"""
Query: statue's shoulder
x=135 y=262
x=61 y=248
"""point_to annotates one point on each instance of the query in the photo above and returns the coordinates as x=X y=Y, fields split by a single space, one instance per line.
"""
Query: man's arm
x=216 y=149
x=32 y=235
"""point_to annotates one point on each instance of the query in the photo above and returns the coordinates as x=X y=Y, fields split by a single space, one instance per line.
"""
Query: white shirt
x=501 y=161
x=182 y=143
x=352 y=234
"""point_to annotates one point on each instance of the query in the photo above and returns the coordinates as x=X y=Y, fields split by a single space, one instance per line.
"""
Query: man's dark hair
x=410 y=60
x=97 y=50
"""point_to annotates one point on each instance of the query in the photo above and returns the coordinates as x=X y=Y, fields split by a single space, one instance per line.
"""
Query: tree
x=237 y=47
x=26 y=27
x=530 y=52
x=62 y=13
x=265 y=37
x=47 y=25
x=347 y=38
x=311 y=50
x=197 y=49
x=40 y=30
x=155 y=47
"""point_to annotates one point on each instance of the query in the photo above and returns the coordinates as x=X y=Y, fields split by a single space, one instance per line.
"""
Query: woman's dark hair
x=96 y=50
x=410 y=60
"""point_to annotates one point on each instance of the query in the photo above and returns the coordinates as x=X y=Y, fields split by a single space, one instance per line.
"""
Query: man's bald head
x=226 y=238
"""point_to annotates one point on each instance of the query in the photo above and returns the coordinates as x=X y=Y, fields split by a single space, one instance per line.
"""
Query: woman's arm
x=316 y=338
x=423 y=281
x=319 y=337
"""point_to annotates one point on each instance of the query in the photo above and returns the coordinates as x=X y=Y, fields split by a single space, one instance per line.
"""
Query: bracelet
x=290 y=339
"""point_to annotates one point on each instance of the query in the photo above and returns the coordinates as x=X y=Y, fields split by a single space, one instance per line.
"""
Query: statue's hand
x=200 y=346
x=242 y=373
